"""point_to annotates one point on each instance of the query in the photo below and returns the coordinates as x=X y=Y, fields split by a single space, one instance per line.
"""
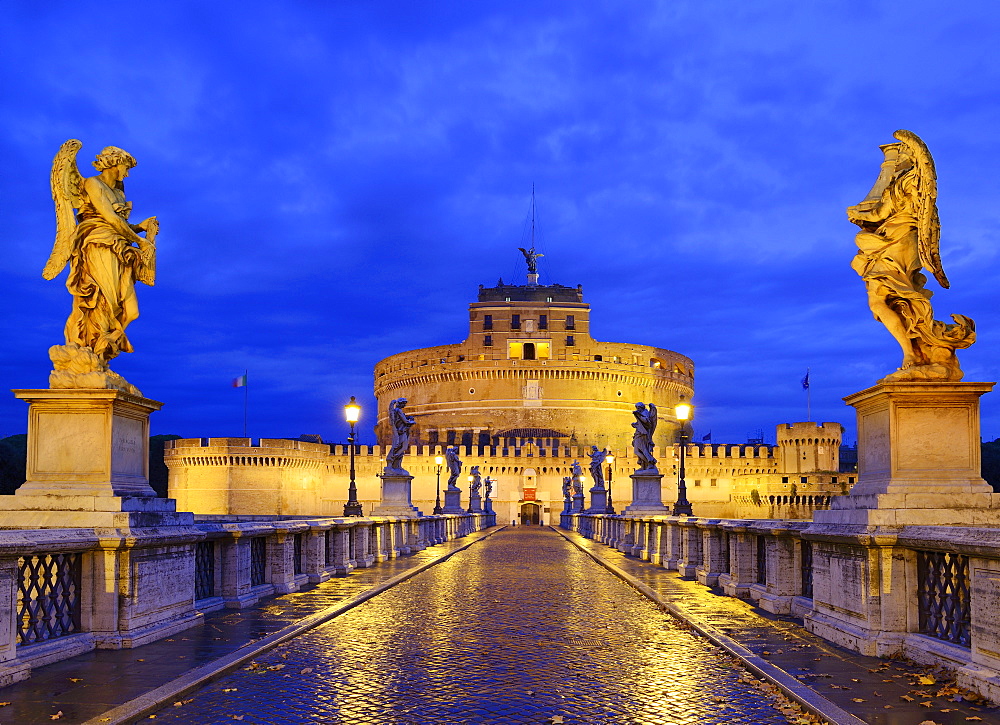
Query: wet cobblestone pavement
x=90 y=684
x=879 y=691
x=519 y=628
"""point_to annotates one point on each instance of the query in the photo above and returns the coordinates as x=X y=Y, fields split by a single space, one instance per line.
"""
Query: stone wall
x=276 y=476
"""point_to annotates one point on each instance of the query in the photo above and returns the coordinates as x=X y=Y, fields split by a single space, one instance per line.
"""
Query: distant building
x=530 y=376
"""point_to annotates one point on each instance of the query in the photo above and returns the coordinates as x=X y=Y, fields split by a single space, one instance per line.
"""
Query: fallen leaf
x=238 y=717
x=856 y=699
x=276 y=667
x=907 y=698
x=927 y=704
x=556 y=719
x=929 y=722
x=973 y=717
x=306 y=671
x=76 y=679
x=4 y=704
x=927 y=680
x=56 y=716
x=229 y=689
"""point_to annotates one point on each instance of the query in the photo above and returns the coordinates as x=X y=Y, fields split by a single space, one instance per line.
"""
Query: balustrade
x=64 y=597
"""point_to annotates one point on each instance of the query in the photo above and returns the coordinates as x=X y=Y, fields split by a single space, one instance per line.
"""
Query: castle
x=530 y=374
x=523 y=397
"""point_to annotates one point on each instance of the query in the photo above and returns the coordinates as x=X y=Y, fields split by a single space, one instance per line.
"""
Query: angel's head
x=113 y=156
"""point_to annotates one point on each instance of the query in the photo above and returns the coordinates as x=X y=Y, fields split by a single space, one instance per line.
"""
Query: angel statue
x=597 y=459
x=900 y=234
x=531 y=257
x=106 y=255
x=642 y=439
x=401 y=424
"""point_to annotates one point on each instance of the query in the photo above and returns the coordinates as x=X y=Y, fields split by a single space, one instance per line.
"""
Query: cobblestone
x=520 y=628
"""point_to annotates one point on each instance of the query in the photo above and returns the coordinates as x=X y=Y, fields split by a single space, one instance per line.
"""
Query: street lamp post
x=683 y=506
x=352 y=411
x=610 y=460
x=439 y=460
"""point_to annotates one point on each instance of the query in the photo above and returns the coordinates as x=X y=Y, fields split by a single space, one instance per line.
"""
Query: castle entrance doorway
x=531 y=513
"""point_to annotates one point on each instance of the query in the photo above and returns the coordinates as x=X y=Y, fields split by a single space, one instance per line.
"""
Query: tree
x=157 y=468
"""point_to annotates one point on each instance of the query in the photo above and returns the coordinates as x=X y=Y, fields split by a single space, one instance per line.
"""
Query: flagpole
x=246 y=398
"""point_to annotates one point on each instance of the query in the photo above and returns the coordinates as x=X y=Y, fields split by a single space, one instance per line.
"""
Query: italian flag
x=241 y=381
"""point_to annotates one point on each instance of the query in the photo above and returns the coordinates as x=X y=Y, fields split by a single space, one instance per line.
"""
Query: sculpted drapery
x=899 y=237
x=106 y=256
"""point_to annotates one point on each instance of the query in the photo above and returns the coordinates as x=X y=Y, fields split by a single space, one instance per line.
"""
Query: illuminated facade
x=530 y=375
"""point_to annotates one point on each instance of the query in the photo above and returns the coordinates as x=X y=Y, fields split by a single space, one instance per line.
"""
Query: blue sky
x=335 y=179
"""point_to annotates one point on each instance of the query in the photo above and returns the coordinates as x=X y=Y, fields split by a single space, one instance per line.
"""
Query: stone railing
x=67 y=591
x=929 y=593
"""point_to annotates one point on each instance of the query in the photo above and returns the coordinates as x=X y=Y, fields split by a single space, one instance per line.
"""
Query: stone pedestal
x=453 y=501
x=88 y=463
x=396 y=499
x=475 y=503
x=646 y=496
x=577 y=503
x=918 y=458
x=598 y=500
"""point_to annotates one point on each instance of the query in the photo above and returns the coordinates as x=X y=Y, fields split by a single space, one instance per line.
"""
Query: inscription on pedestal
x=128 y=450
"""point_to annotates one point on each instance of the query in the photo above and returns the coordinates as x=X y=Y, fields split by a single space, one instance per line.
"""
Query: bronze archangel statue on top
x=106 y=256
x=899 y=236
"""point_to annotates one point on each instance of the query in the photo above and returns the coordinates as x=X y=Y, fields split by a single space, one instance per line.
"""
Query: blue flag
x=805 y=381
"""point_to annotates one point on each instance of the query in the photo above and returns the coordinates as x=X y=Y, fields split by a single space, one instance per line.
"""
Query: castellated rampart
x=288 y=477
x=530 y=372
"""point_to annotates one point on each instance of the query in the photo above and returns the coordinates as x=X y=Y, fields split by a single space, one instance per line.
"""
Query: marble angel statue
x=900 y=235
x=106 y=255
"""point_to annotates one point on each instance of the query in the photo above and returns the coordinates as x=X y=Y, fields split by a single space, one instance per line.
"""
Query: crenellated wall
x=279 y=476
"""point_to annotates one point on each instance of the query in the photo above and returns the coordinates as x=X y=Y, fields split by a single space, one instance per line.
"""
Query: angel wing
x=67 y=193
x=928 y=222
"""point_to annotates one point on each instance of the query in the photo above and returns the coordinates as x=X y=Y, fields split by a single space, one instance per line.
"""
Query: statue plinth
x=88 y=463
x=453 y=501
x=577 y=503
x=475 y=503
x=598 y=500
x=647 y=498
x=918 y=458
x=396 y=501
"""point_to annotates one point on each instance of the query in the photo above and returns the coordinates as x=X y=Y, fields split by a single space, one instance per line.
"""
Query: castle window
x=784 y=479
x=487 y=322
x=697 y=482
x=515 y=322
x=570 y=322
x=833 y=479
x=804 y=479
x=487 y=340
x=515 y=349
x=713 y=482
x=570 y=341
x=543 y=322
x=598 y=358
x=548 y=299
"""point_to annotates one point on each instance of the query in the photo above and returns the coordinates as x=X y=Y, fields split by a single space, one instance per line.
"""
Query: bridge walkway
x=516 y=625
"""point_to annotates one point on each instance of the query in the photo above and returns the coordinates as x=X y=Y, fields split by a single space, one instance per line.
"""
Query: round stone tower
x=530 y=375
